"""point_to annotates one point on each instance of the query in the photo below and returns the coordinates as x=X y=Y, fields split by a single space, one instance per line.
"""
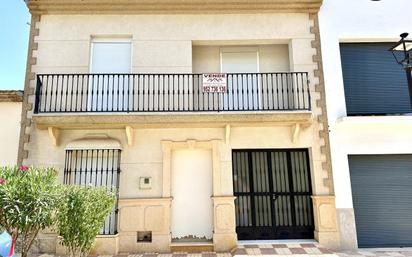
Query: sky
x=14 y=38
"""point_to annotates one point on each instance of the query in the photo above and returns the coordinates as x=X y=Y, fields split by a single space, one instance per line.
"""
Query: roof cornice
x=170 y=6
x=11 y=96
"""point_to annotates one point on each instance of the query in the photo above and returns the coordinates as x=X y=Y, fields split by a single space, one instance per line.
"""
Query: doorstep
x=192 y=247
x=285 y=241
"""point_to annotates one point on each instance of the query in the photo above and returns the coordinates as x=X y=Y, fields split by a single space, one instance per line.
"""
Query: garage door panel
x=382 y=199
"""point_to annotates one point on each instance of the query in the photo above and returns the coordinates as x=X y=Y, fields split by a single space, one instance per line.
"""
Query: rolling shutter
x=374 y=82
x=382 y=199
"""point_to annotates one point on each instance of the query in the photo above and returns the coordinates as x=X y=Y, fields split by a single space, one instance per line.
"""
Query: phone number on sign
x=214 y=89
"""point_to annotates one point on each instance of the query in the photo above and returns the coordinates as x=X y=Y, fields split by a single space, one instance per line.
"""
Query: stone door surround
x=224 y=226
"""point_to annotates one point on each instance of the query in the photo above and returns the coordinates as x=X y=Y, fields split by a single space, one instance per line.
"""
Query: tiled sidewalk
x=277 y=250
x=311 y=249
x=281 y=249
x=366 y=253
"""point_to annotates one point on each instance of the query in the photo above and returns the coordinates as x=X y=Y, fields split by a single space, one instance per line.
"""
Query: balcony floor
x=170 y=119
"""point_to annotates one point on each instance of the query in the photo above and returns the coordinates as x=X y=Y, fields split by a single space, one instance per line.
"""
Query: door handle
x=274 y=197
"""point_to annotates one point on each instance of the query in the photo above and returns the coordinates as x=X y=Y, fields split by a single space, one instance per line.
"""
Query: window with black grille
x=95 y=167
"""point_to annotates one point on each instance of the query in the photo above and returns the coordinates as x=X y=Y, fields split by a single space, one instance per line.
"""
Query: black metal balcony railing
x=66 y=93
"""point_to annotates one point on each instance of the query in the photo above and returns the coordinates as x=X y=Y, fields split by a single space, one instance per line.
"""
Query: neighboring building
x=116 y=97
x=10 y=116
x=369 y=121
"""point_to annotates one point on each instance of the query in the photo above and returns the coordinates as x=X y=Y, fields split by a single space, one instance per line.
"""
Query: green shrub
x=81 y=215
x=28 y=199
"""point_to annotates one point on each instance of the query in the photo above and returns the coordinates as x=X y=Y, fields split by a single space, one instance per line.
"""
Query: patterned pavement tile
x=253 y=251
x=265 y=246
x=151 y=255
x=208 y=254
x=175 y=255
x=280 y=246
x=165 y=255
x=239 y=251
x=284 y=251
x=223 y=255
x=324 y=250
x=295 y=250
x=268 y=251
x=313 y=251
x=308 y=245
x=195 y=255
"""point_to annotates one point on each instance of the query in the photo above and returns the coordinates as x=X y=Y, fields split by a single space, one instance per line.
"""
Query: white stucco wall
x=359 y=21
x=10 y=116
x=163 y=43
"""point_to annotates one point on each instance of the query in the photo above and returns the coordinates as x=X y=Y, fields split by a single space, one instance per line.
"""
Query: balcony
x=130 y=96
x=67 y=93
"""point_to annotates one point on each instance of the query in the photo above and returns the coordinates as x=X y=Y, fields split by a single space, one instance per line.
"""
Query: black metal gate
x=273 y=194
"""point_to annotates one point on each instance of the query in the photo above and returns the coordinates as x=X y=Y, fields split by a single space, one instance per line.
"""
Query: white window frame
x=244 y=49
x=99 y=39
x=240 y=49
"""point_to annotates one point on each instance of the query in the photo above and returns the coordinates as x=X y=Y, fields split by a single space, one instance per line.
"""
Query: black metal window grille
x=56 y=93
x=95 y=167
x=273 y=194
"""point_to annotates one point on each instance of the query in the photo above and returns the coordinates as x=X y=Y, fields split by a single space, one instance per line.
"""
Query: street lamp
x=402 y=53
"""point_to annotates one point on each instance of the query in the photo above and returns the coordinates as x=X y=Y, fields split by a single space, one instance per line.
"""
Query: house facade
x=208 y=118
x=369 y=121
x=10 y=114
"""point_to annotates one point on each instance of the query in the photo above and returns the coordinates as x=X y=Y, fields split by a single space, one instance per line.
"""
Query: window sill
x=403 y=120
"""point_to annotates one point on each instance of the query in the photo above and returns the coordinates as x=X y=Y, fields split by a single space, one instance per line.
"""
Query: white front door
x=192 y=207
x=243 y=89
x=109 y=92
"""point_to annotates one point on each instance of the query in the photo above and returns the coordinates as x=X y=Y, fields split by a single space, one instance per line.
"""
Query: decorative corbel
x=227 y=134
x=296 y=128
x=54 y=135
x=129 y=135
